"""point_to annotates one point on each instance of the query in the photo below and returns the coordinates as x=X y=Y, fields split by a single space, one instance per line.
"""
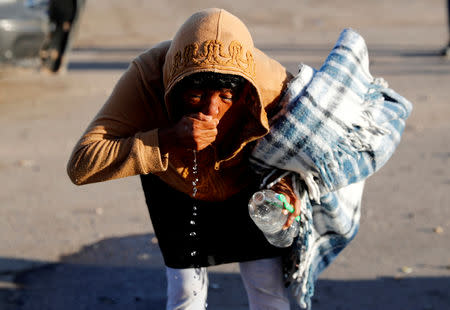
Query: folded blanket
x=337 y=126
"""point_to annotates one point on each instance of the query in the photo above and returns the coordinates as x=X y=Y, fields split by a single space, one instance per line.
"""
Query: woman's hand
x=285 y=187
x=295 y=202
x=194 y=131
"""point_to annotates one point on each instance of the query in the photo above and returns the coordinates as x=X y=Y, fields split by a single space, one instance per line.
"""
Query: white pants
x=188 y=288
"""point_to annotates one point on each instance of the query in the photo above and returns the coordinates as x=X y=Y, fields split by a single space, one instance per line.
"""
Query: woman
x=183 y=117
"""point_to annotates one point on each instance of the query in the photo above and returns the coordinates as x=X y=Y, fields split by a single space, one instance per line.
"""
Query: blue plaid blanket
x=337 y=126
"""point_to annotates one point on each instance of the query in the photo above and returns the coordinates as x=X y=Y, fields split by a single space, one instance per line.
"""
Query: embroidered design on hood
x=210 y=40
x=213 y=53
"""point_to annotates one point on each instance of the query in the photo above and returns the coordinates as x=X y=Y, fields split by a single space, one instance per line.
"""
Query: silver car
x=23 y=27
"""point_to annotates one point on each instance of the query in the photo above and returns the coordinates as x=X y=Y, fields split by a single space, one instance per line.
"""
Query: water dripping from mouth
x=195 y=172
x=195 y=180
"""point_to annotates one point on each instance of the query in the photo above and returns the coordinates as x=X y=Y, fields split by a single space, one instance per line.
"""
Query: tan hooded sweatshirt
x=122 y=140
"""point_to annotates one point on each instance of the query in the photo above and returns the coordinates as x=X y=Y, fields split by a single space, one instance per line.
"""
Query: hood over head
x=210 y=40
x=214 y=40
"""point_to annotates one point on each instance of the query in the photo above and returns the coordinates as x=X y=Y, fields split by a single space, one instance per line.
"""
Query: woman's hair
x=211 y=80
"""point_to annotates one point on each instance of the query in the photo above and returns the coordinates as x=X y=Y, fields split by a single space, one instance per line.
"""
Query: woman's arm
x=122 y=140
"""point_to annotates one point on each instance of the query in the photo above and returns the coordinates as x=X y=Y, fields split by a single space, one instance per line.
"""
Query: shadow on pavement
x=128 y=273
x=387 y=59
x=110 y=49
x=98 y=65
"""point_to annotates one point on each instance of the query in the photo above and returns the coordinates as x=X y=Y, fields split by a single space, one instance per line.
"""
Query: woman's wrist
x=166 y=140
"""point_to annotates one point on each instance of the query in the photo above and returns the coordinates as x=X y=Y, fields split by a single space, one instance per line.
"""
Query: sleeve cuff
x=150 y=154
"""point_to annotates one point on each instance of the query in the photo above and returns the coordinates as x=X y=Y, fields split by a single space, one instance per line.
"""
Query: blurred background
x=92 y=247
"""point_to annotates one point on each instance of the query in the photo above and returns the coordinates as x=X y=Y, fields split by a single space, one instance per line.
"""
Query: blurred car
x=23 y=27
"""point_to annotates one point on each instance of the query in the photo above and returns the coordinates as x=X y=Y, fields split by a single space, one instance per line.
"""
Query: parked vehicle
x=23 y=27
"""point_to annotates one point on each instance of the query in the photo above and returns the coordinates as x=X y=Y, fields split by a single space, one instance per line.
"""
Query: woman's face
x=208 y=101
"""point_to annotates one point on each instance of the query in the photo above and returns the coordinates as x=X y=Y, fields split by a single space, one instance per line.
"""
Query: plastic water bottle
x=265 y=208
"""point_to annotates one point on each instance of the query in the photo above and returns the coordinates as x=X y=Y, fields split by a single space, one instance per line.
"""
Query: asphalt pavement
x=93 y=247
